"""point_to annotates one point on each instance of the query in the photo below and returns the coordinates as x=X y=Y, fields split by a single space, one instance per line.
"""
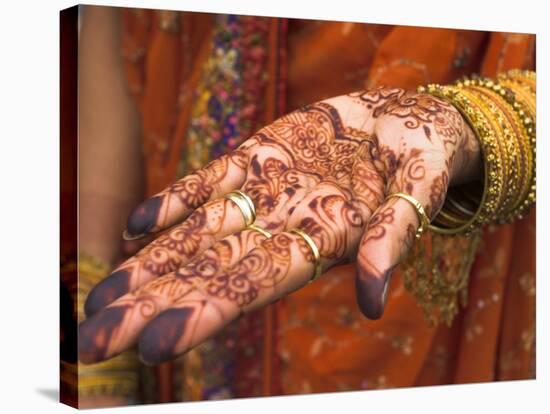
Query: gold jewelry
x=260 y=230
x=118 y=376
x=462 y=209
x=314 y=250
x=484 y=129
x=494 y=118
x=248 y=201
x=520 y=94
x=502 y=115
x=513 y=141
x=245 y=204
x=422 y=216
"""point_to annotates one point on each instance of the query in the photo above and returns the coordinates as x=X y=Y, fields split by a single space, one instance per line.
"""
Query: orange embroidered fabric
x=322 y=342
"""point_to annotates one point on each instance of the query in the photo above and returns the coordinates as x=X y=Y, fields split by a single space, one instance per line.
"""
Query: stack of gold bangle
x=502 y=114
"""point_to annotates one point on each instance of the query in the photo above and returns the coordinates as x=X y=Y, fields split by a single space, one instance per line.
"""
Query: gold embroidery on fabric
x=117 y=376
x=439 y=278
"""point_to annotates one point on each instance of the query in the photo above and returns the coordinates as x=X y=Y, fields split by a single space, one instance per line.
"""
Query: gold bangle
x=521 y=97
x=422 y=216
x=499 y=183
x=451 y=217
x=513 y=138
x=245 y=205
x=314 y=250
x=502 y=115
x=461 y=208
x=525 y=78
x=514 y=95
x=493 y=163
x=260 y=230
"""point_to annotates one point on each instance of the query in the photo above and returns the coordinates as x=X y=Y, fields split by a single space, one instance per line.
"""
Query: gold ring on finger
x=245 y=204
x=420 y=211
x=260 y=230
x=314 y=250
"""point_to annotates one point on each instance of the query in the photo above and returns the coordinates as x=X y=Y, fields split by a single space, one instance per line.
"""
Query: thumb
x=389 y=235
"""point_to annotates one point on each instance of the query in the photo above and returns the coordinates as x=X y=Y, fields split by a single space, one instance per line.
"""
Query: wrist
x=467 y=164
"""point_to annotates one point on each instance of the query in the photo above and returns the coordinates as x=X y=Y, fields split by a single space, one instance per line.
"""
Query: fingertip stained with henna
x=107 y=291
x=144 y=217
x=95 y=334
x=158 y=341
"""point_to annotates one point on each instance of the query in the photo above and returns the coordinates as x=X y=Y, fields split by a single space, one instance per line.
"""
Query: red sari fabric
x=316 y=340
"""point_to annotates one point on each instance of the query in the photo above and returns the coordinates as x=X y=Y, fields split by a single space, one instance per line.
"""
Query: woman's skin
x=109 y=137
x=326 y=168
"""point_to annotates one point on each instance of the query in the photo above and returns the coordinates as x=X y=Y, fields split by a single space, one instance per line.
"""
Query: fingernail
x=94 y=335
x=372 y=292
x=143 y=218
x=385 y=291
x=126 y=236
x=157 y=342
x=107 y=291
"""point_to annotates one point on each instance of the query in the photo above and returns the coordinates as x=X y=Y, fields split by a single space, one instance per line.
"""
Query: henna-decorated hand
x=327 y=169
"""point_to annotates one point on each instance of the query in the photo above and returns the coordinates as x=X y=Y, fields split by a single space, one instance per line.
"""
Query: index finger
x=177 y=201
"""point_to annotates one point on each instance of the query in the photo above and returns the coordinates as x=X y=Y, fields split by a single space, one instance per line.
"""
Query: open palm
x=327 y=169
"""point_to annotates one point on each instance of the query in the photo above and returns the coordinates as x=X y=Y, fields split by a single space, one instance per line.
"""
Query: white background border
x=29 y=171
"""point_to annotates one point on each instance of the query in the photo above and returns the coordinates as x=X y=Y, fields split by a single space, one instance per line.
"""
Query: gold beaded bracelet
x=509 y=142
x=520 y=111
x=519 y=151
x=521 y=87
x=490 y=112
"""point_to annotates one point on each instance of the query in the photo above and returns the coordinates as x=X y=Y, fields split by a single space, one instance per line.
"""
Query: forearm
x=110 y=162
